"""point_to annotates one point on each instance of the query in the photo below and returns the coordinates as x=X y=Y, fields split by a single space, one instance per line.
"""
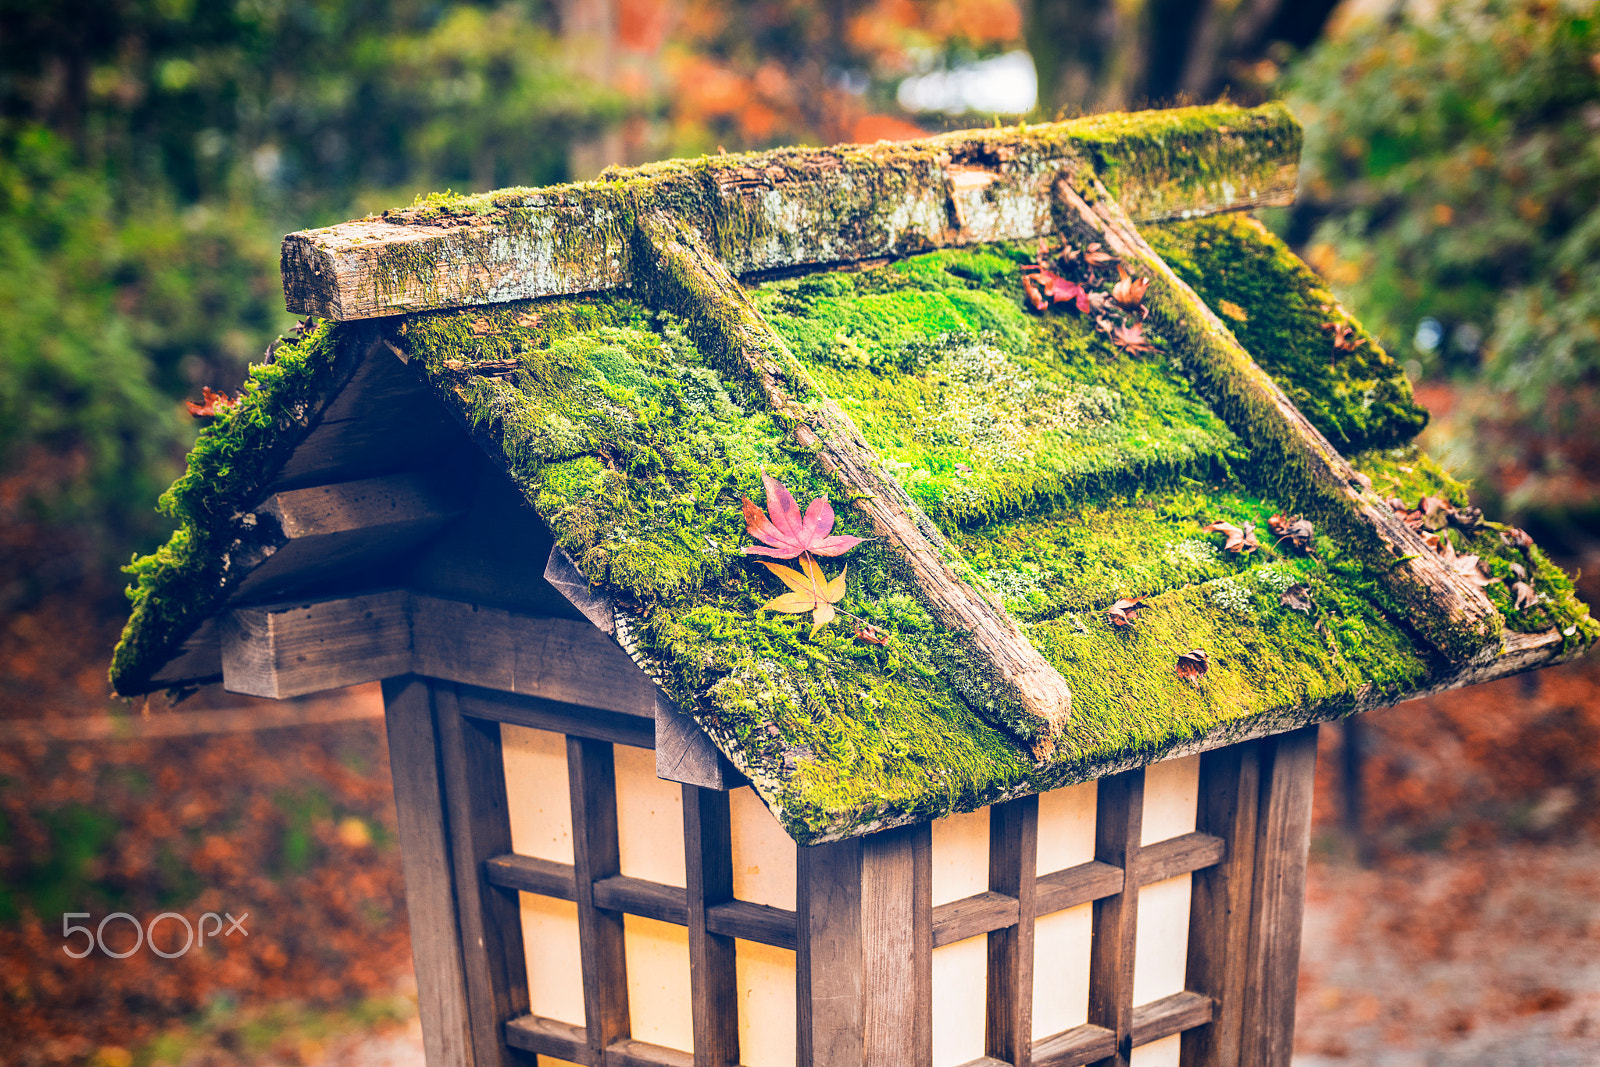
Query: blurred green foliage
x=1452 y=173
x=152 y=152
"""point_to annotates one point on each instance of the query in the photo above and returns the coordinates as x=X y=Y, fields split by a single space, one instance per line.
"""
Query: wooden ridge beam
x=790 y=207
x=1448 y=610
x=1022 y=692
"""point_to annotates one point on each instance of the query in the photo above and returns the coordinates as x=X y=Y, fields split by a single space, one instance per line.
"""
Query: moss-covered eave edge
x=1520 y=653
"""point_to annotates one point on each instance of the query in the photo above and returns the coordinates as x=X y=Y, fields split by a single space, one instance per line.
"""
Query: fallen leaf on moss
x=1129 y=291
x=787 y=533
x=1192 y=665
x=483 y=328
x=1520 y=571
x=1096 y=256
x=1297 y=597
x=1524 y=595
x=1233 y=311
x=1344 y=338
x=212 y=403
x=1240 y=540
x=809 y=590
x=1297 y=531
x=871 y=634
x=1469 y=567
x=1516 y=537
x=1435 y=511
x=1124 y=611
x=1131 y=339
x=1467 y=518
x=527 y=320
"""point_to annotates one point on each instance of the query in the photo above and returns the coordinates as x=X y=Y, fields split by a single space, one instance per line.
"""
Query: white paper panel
x=658 y=981
x=960 y=856
x=536 y=792
x=959 y=981
x=649 y=819
x=766 y=1004
x=763 y=855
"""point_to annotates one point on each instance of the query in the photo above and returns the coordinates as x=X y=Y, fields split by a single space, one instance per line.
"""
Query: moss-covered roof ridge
x=789 y=207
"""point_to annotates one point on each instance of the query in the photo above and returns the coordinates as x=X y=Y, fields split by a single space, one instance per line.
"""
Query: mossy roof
x=1066 y=473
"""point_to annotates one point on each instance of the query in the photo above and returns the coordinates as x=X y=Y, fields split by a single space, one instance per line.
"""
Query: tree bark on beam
x=1018 y=689
x=1445 y=607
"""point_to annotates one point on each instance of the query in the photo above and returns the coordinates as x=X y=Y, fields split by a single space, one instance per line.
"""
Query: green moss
x=232 y=461
x=1276 y=307
x=1410 y=475
x=978 y=408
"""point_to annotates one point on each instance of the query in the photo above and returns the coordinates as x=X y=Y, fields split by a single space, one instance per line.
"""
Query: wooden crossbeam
x=1446 y=607
x=791 y=207
x=1017 y=689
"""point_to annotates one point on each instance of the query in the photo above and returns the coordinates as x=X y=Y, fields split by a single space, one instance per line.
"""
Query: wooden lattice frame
x=865 y=927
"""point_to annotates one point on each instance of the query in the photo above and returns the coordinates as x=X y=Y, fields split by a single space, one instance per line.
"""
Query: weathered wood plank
x=1278 y=897
x=829 y=972
x=286 y=650
x=1180 y=855
x=490 y=917
x=896 y=990
x=1219 y=903
x=1118 y=821
x=528 y=874
x=430 y=892
x=591 y=775
x=1060 y=890
x=980 y=913
x=1018 y=688
x=1175 y=1014
x=789 y=207
x=713 y=976
x=922 y=943
x=686 y=754
x=318 y=536
x=1073 y=1048
x=1014 y=871
x=631 y=1053
x=1451 y=612
x=777 y=927
x=548 y=1037
x=539 y=714
x=638 y=896
x=559 y=659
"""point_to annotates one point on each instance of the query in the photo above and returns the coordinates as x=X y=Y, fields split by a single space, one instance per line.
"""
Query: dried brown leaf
x=1240 y=540
x=1524 y=595
x=1192 y=665
x=1124 y=611
x=1297 y=597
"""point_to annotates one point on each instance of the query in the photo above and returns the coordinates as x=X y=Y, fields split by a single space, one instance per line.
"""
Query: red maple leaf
x=787 y=533
x=215 y=403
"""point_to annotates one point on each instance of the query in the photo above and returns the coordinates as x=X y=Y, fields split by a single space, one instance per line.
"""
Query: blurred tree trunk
x=1098 y=55
x=589 y=29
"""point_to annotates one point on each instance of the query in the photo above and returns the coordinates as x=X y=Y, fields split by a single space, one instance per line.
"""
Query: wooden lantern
x=628 y=838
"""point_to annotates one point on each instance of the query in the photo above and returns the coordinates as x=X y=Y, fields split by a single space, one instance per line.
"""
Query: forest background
x=152 y=152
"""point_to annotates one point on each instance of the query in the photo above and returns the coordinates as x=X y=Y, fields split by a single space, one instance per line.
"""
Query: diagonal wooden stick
x=1443 y=605
x=1011 y=683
